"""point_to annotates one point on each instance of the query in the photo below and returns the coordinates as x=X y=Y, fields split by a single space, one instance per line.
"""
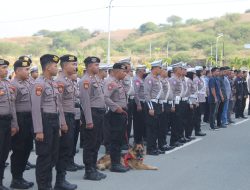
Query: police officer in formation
x=93 y=104
x=22 y=142
x=109 y=100
x=8 y=120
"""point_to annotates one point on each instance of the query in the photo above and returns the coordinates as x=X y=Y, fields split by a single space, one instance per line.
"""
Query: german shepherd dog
x=133 y=159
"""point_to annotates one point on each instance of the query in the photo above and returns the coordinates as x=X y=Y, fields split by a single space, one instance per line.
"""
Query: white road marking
x=241 y=122
x=185 y=145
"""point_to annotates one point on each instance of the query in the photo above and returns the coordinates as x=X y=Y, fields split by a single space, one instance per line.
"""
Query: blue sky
x=23 y=18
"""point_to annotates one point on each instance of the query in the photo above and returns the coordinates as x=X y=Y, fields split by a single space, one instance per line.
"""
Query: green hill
x=191 y=41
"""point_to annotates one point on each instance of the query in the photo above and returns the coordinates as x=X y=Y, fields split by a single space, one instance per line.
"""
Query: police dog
x=133 y=159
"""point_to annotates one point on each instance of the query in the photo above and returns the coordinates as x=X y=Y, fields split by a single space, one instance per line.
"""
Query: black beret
x=20 y=63
x=92 y=59
x=25 y=58
x=227 y=68
x=119 y=66
x=222 y=69
x=48 y=58
x=4 y=62
x=68 y=58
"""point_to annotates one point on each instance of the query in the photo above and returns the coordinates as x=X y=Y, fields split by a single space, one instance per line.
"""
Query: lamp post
x=108 y=56
x=217 y=39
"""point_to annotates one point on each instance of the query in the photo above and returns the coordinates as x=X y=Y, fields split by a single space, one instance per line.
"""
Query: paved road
x=219 y=161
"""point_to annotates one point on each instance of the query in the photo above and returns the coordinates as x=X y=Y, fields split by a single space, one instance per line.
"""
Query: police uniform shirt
x=166 y=89
x=152 y=87
x=201 y=89
x=139 y=90
x=7 y=101
x=114 y=94
x=67 y=90
x=45 y=98
x=192 y=91
x=128 y=85
x=186 y=92
x=91 y=95
x=176 y=85
x=23 y=97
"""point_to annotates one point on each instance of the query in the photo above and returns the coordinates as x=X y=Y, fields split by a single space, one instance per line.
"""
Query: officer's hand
x=14 y=131
x=119 y=110
x=173 y=109
x=39 y=137
x=90 y=126
x=139 y=108
x=151 y=112
x=222 y=99
x=64 y=128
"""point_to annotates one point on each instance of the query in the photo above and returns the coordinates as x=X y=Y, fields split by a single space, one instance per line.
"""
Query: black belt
x=24 y=113
x=50 y=115
x=99 y=110
x=6 y=117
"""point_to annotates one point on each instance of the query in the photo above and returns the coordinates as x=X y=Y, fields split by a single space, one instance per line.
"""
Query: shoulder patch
x=86 y=84
x=2 y=92
x=60 y=87
x=39 y=90
x=111 y=85
x=137 y=83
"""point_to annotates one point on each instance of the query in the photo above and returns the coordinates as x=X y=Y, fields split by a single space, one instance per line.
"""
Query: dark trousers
x=180 y=121
x=76 y=136
x=106 y=131
x=21 y=144
x=5 y=139
x=153 y=126
x=164 y=124
x=93 y=138
x=243 y=106
x=197 y=117
x=118 y=124
x=66 y=146
x=47 y=150
x=130 y=121
x=190 y=121
x=206 y=111
x=139 y=124
x=219 y=113
x=212 y=115
x=238 y=107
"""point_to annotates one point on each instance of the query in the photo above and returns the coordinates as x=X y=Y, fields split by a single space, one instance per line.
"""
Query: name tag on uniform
x=177 y=99
x=77 y=113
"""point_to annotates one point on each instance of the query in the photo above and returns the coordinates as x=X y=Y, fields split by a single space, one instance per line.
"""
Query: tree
x=174 y=20
x=192 y=21
x=148 y=27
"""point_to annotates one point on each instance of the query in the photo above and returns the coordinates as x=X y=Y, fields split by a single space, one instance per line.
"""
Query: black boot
x=118 y=168
x=19 y=184
x=91 y=174
x=31 y=184
x=62 y=184
x=31 y=165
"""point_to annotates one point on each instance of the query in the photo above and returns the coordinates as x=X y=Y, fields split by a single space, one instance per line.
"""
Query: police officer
x=239 y=94
x=139 y=107
x=130 y=93
x=65 y=85
x=9 y=126
x=48 y=119
x=74 y=165
x=153 y=91
x=22 y=143
x=166 y=102
x=115 y=99
x=245 y=93
x=201 y=98
x=92 y=101
x=34 y=73
x=176 y=84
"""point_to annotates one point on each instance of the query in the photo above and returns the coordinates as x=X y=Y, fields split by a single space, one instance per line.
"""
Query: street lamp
x=217 y=39
x=108 y=56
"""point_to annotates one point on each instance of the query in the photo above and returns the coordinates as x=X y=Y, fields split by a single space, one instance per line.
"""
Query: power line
x=175 y=4
x=51 y=16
